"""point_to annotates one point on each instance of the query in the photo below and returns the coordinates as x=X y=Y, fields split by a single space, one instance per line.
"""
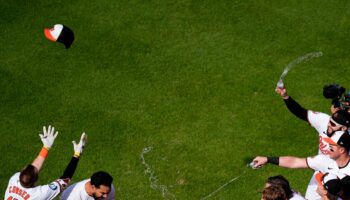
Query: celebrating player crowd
x=22 y=184
x=331 y=178
x=330 y=181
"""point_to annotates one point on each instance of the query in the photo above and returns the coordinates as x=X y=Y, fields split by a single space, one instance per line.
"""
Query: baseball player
x=98 y=187
x=273 y=192
x=22 y=184
x=329 y=186
x=324 y=124
x=337 y=162
x=284 y=184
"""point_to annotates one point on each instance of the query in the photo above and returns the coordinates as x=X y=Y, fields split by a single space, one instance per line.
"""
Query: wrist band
x=44 y=152
x=273 y=160
x=76 y=154
x=46 y=147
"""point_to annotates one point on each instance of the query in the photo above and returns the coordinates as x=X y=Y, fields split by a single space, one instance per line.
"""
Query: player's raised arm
x=78 y=150
x=292 y=105
x=293 y=162
x=47 y=138
x=284 y=161
x=52 y=190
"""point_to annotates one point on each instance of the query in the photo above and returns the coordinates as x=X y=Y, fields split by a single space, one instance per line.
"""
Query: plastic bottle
x=280 y=84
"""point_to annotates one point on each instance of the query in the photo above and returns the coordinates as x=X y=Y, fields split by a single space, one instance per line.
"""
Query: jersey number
x=11 y=198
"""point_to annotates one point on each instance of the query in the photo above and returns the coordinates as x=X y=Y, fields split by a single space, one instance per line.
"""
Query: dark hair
x=283 y=183
x=101 y=178
x=274 y=192
x=28 y=176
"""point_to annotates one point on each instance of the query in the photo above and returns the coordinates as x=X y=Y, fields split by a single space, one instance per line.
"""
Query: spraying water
x=290 y=65
x=223 y=186
x=153 y=178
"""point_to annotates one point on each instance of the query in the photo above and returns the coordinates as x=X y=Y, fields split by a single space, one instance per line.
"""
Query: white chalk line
x=223 y=186
x=300 y=59
x=153 y=178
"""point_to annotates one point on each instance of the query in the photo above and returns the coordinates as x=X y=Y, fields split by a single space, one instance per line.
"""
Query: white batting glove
x=48 y=137
x=78 y=148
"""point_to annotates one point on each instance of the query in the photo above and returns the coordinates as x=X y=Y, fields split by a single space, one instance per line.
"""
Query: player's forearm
x=40 y=159
x=296 y=108
x=292 y=162
x=78 y=149
x=47 y=138
x=70 y=169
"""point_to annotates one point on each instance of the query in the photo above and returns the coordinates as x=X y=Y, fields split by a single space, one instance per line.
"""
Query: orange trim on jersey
x=329 y=141
x=319 y=177
x=48 y=35
x=44 y=152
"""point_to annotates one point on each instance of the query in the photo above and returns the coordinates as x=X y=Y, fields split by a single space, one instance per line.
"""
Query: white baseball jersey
x=77 y=192
x=324 y=164
x=297 y=196
x=15 y=191
x=320 y=122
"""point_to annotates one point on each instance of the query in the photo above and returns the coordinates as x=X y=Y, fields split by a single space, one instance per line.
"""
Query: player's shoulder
x=297 y=196
x=321 y=157
x=79 y=183
x=76 y=189
x=16 y=174
x=318 y=114
x=317 y=118
x=15 y=177
x=324 y=157
x=48 y=191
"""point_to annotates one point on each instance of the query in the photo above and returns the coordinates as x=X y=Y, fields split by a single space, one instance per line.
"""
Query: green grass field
x=194 y=80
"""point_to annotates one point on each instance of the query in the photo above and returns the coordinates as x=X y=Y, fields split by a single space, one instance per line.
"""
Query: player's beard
x=330 y=134
x=330 y=131
x=95 y=197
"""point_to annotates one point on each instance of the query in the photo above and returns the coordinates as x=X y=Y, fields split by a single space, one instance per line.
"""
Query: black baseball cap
x=332 y=184
x=341 y=138
x=329 y=181
x=342 y=117
x=60 y=33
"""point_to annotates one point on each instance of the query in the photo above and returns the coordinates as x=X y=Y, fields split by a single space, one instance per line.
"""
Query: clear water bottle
x=280 y=84
x=251 y=165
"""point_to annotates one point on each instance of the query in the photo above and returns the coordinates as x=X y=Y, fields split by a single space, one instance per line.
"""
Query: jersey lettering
x=323 y=146
x=11 y=198
x=19 y=191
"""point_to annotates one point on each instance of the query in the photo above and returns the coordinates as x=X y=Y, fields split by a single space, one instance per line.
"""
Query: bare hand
x=259 y=161
x=282 y=92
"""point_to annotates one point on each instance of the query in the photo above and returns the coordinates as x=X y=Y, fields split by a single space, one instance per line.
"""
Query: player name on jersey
x=18 y=191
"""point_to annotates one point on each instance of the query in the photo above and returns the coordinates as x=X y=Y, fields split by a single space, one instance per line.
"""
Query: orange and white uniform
x=324 y=164
x=320 y=122
x=15 y=191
